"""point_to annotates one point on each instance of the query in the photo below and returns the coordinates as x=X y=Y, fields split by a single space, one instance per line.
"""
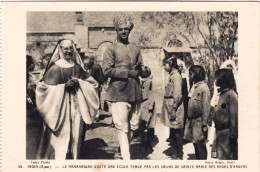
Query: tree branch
x=213 y=53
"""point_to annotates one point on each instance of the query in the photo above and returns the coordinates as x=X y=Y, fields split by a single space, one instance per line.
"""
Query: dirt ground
x=101 y=142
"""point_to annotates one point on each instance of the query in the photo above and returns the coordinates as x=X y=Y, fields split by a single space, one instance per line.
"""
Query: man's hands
x=133 y=73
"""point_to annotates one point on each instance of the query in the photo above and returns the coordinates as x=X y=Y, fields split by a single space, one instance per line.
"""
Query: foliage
x=144 y=40
x=214 y=34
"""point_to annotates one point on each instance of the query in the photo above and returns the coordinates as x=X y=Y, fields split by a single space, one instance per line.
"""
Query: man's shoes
x=169 y=140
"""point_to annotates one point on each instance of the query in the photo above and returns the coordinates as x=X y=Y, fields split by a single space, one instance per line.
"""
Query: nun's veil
x=57 y=55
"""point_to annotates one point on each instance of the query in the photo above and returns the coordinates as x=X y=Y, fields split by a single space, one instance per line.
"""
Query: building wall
x=97 y=37
x=39 y=22
x=144 y=34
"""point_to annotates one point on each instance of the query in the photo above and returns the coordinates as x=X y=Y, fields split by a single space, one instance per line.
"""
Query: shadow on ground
x=141 y=151
x=170 y=151
x=94 y=149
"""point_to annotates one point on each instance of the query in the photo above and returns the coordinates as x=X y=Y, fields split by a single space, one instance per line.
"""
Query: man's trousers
x=126 y=117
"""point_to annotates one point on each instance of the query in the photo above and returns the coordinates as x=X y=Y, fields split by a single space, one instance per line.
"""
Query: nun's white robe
x=64 y=112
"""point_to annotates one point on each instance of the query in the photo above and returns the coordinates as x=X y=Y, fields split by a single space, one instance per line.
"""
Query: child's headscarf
x=227 y=63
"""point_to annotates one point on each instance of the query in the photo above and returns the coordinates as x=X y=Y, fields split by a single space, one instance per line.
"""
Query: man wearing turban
x=66 y=97
x=122 y=63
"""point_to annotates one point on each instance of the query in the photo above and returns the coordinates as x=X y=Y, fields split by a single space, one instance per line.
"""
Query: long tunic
x=198 y=112
x=118 y=60
x=63 y=111
x=226 y=123
x=173 y=101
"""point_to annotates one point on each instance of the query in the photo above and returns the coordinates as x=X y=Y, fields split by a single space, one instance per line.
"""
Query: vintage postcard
x=130 y=86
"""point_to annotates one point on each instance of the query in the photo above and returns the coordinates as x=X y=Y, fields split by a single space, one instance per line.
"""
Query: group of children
x=186 y=109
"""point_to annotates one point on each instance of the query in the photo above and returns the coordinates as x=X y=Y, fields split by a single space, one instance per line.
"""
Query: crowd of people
x=68 y=100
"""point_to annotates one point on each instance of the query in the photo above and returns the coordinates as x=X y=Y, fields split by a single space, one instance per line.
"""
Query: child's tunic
x=226 y=123
x=198 y=112
x=173 y=101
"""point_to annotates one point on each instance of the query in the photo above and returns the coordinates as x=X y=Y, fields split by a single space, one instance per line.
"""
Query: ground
x=101 y=142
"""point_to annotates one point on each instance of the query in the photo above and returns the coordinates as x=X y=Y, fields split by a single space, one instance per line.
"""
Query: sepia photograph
x=146 y=85
x=129 y=86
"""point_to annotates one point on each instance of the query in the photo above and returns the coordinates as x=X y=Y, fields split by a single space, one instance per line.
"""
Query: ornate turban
x=123 y=20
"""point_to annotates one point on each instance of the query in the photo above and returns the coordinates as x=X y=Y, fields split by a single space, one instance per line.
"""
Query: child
x=95 y=71
x=185 y=90
x=196 y=129
x=226 y=116
x=173 y=110
x=228 y=64
x=185 y=86
x=147 y=114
